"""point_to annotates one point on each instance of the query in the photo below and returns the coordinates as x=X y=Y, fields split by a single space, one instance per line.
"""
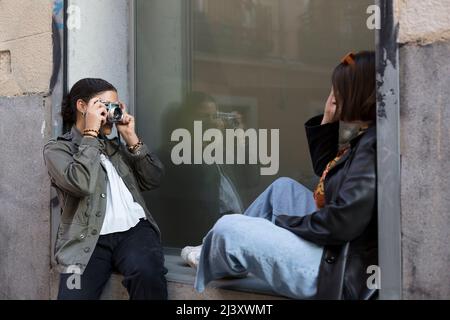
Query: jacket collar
x=76 y=135
x=370 y=133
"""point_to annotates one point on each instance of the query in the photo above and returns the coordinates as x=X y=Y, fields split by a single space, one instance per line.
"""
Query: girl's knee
x=230 y=226
x=283 y=182
x=226 y=223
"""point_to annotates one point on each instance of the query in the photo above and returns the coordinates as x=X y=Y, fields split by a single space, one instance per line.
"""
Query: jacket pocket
x=72 y=231
x=68 y=238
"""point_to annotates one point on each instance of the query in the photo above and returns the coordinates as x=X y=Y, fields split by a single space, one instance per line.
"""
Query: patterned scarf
x=319 y=192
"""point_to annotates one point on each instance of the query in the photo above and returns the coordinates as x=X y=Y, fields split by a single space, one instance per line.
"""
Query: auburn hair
x=354 y=86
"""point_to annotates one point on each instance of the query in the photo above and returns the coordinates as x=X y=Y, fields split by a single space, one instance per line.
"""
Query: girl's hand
x=95 y=115
x=127 y=127
x=330 y=114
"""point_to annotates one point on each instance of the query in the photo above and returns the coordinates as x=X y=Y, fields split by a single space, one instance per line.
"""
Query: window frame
x=389 y=155
x=388 y=144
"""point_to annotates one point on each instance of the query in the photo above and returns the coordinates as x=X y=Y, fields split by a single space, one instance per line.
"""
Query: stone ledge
x=180 y=285
x=181 y=291
x=114 y=290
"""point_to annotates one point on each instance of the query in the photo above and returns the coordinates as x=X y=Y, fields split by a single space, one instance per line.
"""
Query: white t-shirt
x=122 y=212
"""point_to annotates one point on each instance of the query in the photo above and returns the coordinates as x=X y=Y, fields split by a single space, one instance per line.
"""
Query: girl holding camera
x=105 y=224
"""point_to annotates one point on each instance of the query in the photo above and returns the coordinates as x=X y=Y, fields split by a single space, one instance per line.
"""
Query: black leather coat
x=347 y=225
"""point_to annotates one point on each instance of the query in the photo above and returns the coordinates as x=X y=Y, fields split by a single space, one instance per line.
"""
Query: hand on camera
x=95 y=115
x=126 y=128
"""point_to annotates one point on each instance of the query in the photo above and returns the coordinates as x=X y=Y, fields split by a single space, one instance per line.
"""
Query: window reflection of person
x=197 y=195
x=203 y=108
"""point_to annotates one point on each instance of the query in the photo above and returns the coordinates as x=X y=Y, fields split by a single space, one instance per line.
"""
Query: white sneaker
x=191 y=255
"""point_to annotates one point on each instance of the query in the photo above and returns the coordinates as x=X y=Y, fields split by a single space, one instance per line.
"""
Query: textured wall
x=26 y=38
x=24 y=198
x=424 y=21
x=425 y=113
x=425 y=132
x=26 y=63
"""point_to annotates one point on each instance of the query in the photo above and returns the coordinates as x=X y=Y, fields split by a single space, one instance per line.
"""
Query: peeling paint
x=384 y=94
x=388 y=151
x=387 y=56
x=43 y=130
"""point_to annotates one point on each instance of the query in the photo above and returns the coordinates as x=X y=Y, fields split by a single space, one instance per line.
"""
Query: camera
x=230 y=119
x=115 y=113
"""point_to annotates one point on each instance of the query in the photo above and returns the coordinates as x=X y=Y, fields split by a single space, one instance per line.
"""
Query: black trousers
x=137 y=254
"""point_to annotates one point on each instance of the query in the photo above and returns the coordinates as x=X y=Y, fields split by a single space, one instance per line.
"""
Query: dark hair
x=354 y=88
x=196 y=99
x=84 y=89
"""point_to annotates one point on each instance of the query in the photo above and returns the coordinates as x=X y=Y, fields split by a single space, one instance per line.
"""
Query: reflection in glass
x=198 y=195
x=262 y=64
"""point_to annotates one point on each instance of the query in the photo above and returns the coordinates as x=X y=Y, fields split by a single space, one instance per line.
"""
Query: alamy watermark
x=212 y=146
x=73 y=282
x=74 y=17
x=374 y=280
x=374 y=20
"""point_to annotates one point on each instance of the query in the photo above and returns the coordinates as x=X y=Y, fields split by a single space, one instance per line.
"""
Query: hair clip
x=349 y=59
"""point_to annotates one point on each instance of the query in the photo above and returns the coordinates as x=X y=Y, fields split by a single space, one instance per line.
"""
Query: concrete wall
x=424 y=36
x=26 y=63
x=24 y=198
x=424 y=21
x=100 y=47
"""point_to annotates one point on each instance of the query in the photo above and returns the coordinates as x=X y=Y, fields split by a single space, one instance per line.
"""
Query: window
x=252 y=64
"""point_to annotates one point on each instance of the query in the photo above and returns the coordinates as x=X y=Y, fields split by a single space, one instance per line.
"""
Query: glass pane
x=250 y=64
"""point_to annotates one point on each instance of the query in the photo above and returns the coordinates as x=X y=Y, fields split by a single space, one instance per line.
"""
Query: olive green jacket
x=73 y=163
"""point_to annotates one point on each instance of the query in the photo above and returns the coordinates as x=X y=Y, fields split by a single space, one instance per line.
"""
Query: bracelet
x=133 y=148
x=90 y=135
x=90 y=131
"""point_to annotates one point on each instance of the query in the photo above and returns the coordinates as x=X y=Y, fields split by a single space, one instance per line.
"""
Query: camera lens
x=117 y=114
